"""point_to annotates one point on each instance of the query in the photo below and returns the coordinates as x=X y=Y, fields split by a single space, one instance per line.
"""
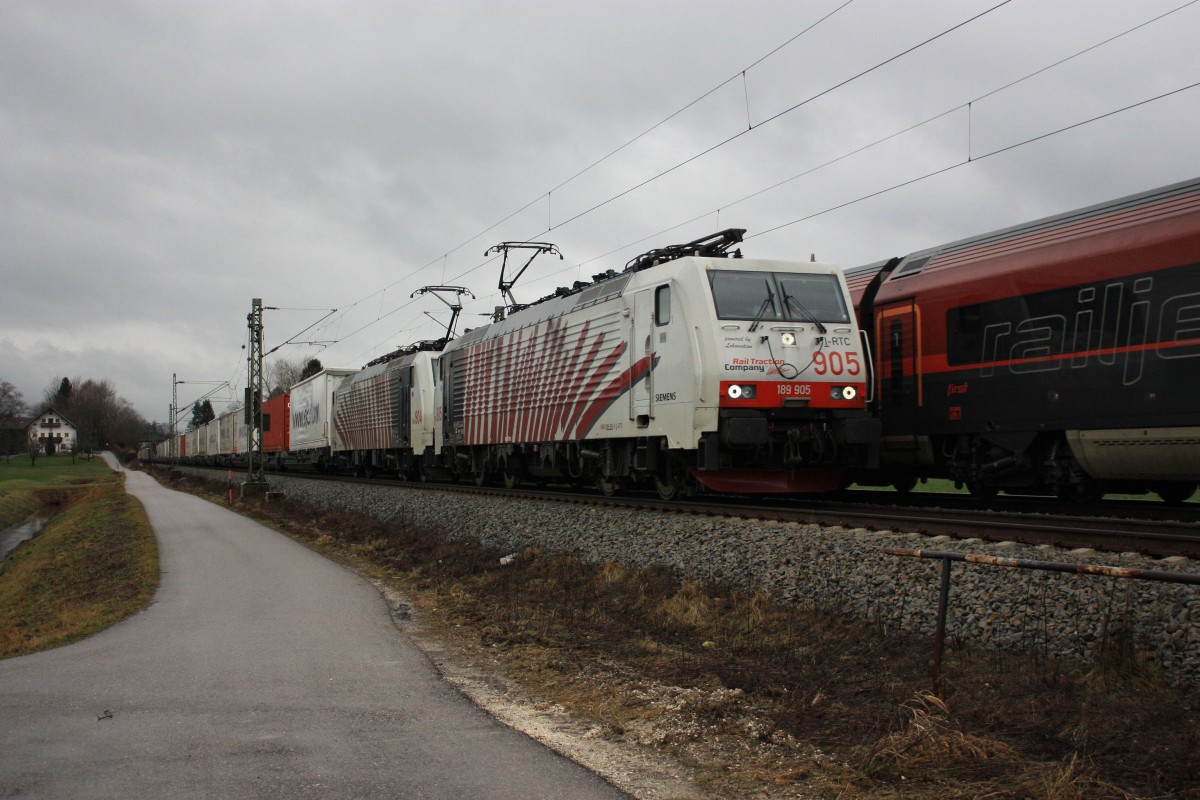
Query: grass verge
x=24 y=488
x=95 y=563
x=759 y=700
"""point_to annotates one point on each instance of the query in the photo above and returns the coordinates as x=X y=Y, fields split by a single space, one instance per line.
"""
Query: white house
x=53 y=431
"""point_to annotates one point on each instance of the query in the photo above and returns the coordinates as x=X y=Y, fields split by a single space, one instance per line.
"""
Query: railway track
x=1145 y=528
x=1124 y=534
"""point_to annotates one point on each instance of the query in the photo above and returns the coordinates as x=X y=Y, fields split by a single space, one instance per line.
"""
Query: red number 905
x=836 y=362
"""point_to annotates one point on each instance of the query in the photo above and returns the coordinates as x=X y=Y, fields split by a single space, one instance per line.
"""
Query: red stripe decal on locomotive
x=572 y=404
x=508 y=397
x=619 y=385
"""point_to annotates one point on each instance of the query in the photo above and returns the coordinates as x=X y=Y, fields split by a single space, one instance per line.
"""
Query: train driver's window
x=662 y=305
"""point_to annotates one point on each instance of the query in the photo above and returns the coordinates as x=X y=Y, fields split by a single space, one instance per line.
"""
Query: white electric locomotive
x=383 y=416
x=692 y=367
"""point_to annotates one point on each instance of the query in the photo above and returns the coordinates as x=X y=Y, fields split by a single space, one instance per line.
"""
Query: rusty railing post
x=939 y=636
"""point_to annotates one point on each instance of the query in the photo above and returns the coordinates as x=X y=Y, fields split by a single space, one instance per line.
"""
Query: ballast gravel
x=839 y=570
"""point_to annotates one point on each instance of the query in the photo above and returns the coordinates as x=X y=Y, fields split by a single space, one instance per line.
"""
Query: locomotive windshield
x=778 y=297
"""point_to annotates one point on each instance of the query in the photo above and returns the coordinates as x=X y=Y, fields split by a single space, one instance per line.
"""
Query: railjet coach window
x=774 y=297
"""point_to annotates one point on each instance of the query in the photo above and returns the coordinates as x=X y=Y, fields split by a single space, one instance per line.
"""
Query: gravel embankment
x=842 y=570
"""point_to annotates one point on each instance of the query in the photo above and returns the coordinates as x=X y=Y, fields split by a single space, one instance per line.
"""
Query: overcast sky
x=164 y=162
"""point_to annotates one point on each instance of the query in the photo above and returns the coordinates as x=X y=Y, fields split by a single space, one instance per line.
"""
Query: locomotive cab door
x=405 y=392
x=651 y=319
x=900 y=391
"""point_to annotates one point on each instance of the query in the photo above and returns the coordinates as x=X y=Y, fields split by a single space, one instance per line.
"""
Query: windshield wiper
x=762 y=310
x=801 y=310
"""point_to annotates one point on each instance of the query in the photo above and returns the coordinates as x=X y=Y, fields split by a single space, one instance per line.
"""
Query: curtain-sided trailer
x=310 y=416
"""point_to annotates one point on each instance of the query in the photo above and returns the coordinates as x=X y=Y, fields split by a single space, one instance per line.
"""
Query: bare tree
x=93 y=410
x=12 y=407
x=101 y=417
x=12 y=403
x=282 y=375
x=34 y=448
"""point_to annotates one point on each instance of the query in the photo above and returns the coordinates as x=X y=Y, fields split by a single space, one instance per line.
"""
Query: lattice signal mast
x=256 y=476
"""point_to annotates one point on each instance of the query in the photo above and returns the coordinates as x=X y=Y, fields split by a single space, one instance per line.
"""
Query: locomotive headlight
x=788 y=339
x=843 y=392
x=740 y=391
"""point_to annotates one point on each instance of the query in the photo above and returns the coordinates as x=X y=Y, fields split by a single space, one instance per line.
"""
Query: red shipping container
x=275 y=434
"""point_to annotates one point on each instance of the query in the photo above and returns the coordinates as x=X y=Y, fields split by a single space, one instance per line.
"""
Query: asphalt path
x=260 y=670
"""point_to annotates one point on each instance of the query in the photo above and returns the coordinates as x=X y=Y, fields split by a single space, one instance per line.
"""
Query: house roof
x=17 y=423
x=53 y=411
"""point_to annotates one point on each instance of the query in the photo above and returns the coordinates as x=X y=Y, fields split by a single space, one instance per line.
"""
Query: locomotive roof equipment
x=506 y=285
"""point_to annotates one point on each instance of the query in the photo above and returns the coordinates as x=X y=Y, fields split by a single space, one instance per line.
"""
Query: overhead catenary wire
x=292 y=338
x=908 y=129
x=971 y=160
x=753 y=126
x=741 y=73
x=896 y=134
x=783 y=113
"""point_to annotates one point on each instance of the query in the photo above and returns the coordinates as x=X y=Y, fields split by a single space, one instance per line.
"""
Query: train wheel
x=1175 y=493
x=906 y=484
x=482 y=477
x=668 y=489
x=671 y=479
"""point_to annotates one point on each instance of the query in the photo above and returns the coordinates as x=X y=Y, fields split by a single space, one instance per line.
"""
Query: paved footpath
x=260 y=670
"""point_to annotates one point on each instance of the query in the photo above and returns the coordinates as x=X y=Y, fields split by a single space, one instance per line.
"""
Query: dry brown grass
x=92 y=565
x=930 y=738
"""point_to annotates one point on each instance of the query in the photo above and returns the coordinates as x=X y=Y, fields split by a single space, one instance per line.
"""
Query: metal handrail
x=947 y=556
